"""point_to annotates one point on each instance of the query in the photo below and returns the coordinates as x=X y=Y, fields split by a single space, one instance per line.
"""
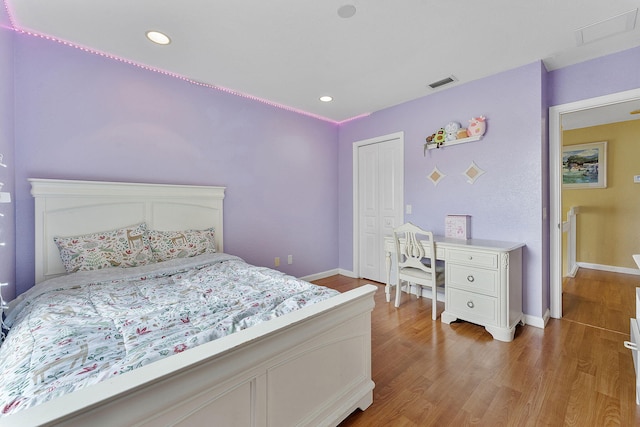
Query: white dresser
x=483 y=283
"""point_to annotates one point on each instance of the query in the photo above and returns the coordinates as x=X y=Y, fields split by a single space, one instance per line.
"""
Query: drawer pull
x=470 y=278
x=470 y=304
x=470 y=257
x=630 y=345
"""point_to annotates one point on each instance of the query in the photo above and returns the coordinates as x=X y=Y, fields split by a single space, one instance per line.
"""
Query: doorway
x=555 y=183
x=378 y=199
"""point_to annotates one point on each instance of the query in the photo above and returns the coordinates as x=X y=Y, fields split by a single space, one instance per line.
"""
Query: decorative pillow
x=167 y=245
x=125 y=247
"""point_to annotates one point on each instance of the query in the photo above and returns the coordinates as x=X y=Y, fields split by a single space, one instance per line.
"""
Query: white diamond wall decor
x=473 y=172
x=435 y=176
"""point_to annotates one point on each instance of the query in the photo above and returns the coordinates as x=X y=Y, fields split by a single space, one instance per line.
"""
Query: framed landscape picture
x=584 y=165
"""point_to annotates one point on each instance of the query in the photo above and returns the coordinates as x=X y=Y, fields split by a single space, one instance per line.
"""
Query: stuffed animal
x=429 y=141
x=452 y=129
x=477 y=126
x=462 y=133
x=440 y=137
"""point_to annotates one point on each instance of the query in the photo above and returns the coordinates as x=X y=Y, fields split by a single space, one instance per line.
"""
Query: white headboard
x=70 y=208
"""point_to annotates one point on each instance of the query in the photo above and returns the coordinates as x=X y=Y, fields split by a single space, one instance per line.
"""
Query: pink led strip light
x=15 y=28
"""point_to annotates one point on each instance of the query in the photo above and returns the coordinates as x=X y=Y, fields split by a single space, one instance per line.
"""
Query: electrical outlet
x=290 y=259
x=277 y=262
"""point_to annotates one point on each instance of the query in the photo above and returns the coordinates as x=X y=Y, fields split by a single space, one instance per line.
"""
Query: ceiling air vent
x=607 y=28
x=442 y=82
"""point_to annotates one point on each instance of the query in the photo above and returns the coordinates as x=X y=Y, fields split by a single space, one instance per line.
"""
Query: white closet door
x=380 y=191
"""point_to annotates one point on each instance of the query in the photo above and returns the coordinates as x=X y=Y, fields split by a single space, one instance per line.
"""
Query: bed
x=309 y=365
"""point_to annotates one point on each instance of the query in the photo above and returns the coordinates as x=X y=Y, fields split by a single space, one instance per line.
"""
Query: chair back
x=410 y=241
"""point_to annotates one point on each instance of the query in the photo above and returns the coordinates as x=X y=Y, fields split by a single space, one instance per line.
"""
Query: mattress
x=73 y=331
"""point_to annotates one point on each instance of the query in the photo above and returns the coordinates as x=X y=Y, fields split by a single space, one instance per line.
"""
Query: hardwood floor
x=601 y=299
x=571 y=373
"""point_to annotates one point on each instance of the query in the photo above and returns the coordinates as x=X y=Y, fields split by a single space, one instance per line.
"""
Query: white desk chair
x=413 y=265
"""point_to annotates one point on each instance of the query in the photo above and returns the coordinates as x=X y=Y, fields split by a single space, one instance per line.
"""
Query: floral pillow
x=124 y=247
x=167 y=245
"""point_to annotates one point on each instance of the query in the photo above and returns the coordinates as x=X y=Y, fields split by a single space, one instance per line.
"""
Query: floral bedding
x=74 y=331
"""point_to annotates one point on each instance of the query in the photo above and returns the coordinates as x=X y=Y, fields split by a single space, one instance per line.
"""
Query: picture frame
x=457 y=226
x=584 y=165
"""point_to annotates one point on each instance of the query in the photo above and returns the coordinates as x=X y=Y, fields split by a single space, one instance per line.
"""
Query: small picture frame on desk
x=457 y=227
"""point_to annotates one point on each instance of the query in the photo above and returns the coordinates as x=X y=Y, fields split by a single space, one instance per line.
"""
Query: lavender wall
x=601 y=76
x=7 y=231
x=544 y=114
x=505 y=203
x=83 y=116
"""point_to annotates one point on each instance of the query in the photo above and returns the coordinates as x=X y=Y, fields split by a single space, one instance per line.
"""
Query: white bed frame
x=310 y=367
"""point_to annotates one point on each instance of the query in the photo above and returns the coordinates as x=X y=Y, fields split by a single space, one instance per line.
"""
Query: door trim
x=555 y=185
x=354 y=182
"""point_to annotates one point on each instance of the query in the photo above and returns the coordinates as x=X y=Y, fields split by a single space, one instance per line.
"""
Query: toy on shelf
x=440 y=137
x=453 y=133
x=452 y=129
x=429 y=142
x=477 y=126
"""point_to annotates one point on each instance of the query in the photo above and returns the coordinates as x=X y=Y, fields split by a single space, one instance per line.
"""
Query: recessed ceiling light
x=158 y=37
x=346 y=11
x=326 y=98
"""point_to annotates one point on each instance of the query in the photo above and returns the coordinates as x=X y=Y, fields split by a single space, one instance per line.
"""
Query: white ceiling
x=290 y=52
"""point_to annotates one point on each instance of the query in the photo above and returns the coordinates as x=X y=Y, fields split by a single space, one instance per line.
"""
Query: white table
x=483 y=282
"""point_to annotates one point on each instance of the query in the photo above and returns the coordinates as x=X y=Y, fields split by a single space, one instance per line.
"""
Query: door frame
x=356 y=193
x=555 y=185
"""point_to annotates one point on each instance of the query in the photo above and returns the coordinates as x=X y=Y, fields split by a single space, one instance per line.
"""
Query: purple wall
x=7 y=230
x=505 y=203
x=83 y=116
x=601 y=76
x=544 y=114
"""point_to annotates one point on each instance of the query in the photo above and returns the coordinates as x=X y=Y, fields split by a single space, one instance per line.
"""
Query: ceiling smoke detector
x=442 y=82
x=346 y=11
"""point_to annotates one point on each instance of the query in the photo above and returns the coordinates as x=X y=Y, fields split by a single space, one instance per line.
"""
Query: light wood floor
x=575 y=372
x=601 y=299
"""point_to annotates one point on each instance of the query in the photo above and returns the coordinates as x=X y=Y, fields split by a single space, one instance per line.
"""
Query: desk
x=483 y=282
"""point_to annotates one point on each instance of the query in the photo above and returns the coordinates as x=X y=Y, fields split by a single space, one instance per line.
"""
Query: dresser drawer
x=473 y=258
x=475 y=308
x=472 y=279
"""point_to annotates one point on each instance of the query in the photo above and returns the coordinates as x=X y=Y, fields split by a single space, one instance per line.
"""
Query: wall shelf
x=455 y=142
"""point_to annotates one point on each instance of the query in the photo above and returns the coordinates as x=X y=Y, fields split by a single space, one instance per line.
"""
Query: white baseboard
x=538 y=322
x=573 y=271
x=611 y=268
x=321 y=275
x=426 y=293
x=347 y=273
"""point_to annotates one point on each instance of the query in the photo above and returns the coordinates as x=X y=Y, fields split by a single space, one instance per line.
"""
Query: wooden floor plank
x=574 y=372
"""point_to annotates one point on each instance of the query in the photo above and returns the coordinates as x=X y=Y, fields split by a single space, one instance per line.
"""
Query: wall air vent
x=442 y=82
